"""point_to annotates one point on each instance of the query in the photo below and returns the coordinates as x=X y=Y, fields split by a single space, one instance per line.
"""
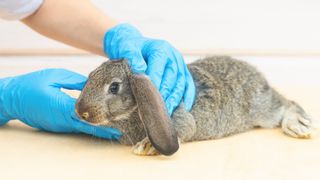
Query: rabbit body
x=232 y=97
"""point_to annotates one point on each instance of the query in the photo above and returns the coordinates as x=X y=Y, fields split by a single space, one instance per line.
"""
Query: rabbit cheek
x=120 y=108
x=114 y=107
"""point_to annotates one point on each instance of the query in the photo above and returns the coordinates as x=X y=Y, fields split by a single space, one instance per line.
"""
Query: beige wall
x=280 y=26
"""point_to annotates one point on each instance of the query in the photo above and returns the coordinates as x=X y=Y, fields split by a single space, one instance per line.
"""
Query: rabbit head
x=112 y=93
x=107 y=95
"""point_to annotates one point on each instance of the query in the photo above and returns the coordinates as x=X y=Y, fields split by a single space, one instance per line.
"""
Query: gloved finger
x=130 y=51
x=98 y=131
x=135 y=60
x=190 y=91
x=156 y=66
x=176 y=95
x=133 y=55
x=168 y=79
x=113 y=38
x=69 y=80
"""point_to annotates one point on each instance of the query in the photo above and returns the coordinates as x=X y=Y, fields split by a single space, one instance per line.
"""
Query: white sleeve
x=18 y=9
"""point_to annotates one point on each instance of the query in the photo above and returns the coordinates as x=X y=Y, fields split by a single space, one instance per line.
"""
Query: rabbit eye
x=114 y=88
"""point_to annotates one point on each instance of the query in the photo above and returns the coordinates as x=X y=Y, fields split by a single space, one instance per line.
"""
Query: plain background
x=280 y=26
x=280 y=37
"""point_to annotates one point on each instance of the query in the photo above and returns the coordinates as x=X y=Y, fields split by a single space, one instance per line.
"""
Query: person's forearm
x=74 y=22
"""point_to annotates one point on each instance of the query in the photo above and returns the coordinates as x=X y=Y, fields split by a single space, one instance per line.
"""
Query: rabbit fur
x=231 y=97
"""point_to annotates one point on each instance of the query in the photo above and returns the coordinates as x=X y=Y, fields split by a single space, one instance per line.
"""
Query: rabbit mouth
x=93 y=119
x=106 y=119
x=101 y=123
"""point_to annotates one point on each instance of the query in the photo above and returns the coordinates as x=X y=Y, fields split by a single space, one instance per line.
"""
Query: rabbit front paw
x=145 y=148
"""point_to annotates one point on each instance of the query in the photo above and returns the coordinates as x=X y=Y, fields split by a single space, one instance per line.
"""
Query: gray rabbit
x=232 y=97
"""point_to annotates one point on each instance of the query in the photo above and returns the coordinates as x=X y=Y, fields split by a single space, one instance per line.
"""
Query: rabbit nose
x=82 y=111
x=85 y=115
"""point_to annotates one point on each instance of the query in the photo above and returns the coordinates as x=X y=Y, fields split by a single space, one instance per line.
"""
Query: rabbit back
x=231 y=96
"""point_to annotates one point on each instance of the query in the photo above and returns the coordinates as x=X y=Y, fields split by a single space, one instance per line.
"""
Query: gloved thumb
x=71 y=80
x=137 y=63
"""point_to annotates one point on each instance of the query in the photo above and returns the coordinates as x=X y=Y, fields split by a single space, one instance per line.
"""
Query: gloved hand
x=157 y=58
x=36 y=100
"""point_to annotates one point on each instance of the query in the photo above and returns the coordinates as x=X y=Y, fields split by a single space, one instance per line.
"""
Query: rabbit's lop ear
x=153 y=115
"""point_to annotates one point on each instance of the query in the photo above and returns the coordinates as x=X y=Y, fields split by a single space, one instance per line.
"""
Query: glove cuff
x=114 y=36
x=4 y=116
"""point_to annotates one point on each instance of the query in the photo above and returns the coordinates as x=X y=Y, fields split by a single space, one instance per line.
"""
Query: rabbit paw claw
x=145 y=148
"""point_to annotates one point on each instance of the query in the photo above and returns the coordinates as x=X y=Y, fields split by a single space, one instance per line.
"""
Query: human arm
x=80 y=24
x=74 y=22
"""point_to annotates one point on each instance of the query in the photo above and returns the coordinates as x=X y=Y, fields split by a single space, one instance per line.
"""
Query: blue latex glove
x=36 y=100
x=157 y=58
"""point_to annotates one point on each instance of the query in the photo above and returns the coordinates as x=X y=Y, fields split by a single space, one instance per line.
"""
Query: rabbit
x=231 y=97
